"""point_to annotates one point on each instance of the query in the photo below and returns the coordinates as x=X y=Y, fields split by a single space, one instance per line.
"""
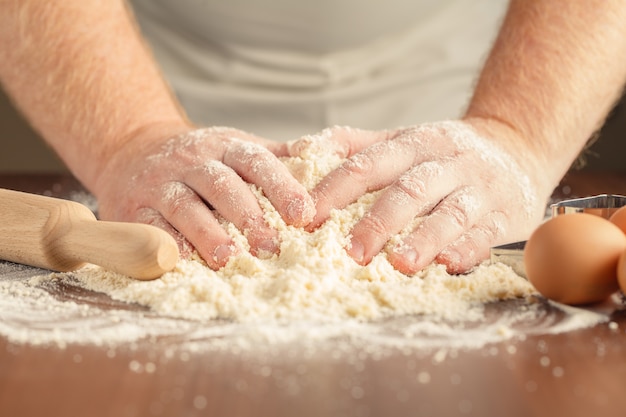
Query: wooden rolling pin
x=63 y=235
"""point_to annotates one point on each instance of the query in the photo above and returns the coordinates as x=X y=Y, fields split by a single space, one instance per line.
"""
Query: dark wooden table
x=578 y=373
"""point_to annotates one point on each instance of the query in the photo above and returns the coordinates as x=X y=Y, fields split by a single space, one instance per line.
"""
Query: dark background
x=24 y=151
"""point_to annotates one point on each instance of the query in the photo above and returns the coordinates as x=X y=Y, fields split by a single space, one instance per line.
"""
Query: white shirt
x=285 y=68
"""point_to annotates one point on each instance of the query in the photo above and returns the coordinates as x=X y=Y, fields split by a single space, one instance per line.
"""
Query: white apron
x=285 y=68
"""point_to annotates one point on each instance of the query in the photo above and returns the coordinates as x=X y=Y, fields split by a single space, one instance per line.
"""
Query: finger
x=414 y=194
x=230 y=196
x=452 y=217
x=279 y=149
x=226 y=132
x=154 y=218
x=341 y=141
x=259 y=166
x=373 y=169
x=186 y=212
x=473 y=247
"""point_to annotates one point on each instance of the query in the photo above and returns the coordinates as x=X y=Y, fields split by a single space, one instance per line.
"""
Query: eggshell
x=573 y=258
x=619 y=218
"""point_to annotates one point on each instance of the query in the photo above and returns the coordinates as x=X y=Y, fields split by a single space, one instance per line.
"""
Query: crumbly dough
x=312 y=278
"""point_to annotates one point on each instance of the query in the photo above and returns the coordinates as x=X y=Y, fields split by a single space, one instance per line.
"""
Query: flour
x=312 y=278
x=310 y=291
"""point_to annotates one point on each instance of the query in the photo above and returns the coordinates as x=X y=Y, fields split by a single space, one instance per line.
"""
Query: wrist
x=543 y=170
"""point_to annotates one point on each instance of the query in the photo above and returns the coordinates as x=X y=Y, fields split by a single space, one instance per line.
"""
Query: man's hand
x=173 y=183
x=469 y=193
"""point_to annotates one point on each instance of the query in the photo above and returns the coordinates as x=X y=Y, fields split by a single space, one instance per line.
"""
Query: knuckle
x=358 y=166
x=457 y=214
x=375 y=224
x=258 y=159
x=149 y=216
x=219 y=188
x=495 y=226
x=492 y=228
x=252 y=155
x=178 y=206
x=176 y=197
x=428 y=231
x=220 y=178
x=412 y=186
x=322 y=196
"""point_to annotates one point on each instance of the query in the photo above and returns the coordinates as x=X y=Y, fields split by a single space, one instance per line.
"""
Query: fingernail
x=267 y=248
x=356 y=250
x=408 y=254
x=300 y=211
x=222 y=253
x=450 y=258
x=312 y=225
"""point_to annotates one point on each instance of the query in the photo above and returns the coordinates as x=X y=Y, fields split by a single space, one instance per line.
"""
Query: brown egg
x=573 y=258
x=621 y=272
x=619 y=218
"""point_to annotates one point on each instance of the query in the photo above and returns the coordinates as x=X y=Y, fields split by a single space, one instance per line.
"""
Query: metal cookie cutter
x=603 y=205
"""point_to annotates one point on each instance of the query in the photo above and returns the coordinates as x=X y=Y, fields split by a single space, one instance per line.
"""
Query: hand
x=470 y=192
x=173 y=183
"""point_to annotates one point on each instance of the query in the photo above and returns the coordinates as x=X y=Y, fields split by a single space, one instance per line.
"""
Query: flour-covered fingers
x=449 y=220
x=152 y=217
x=342 y=141
x=230 y=196
x=372 y=169
x=473 y=247
x=414 y=194
x=257 y=165
x=190 y=216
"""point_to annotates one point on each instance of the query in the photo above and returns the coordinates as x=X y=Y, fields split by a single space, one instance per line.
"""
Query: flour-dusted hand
x=173 y=183
x=469 y=193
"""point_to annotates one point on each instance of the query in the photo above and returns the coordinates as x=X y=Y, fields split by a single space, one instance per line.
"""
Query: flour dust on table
x=311 y=292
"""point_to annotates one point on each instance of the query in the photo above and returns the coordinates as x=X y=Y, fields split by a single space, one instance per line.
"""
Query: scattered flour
x=311 y=291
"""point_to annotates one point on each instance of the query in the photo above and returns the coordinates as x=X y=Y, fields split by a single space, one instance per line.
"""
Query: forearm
x=554 y=73
x=82 y=76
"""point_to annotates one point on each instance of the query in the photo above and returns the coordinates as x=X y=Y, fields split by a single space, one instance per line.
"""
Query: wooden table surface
x=577 y=373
